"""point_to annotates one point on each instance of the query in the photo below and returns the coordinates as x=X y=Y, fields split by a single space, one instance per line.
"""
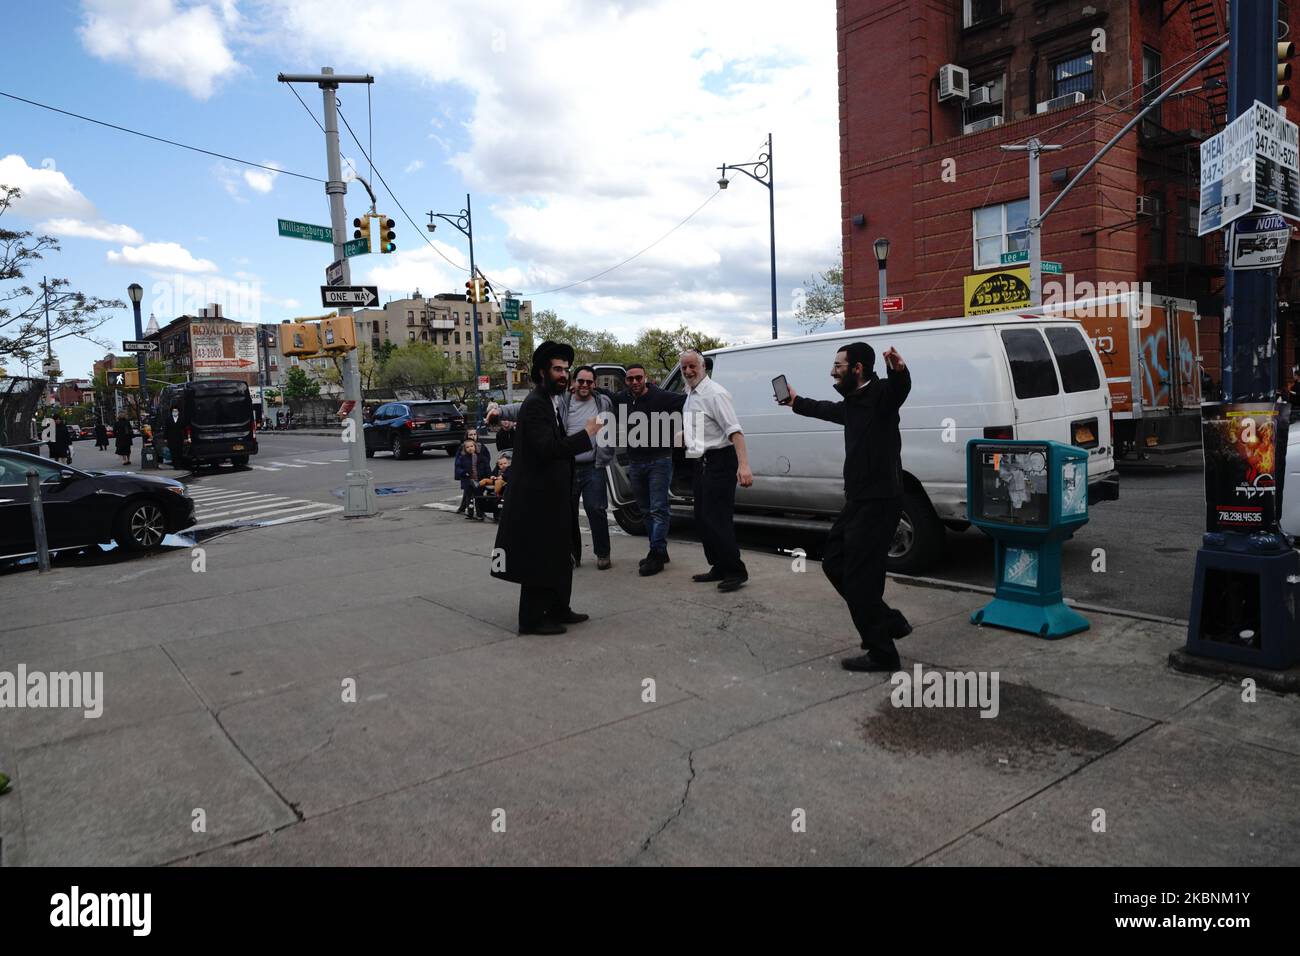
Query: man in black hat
x=534 y=538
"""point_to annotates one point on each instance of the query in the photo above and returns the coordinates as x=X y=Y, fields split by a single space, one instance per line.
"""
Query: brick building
x=922 y=166
x=445 y=320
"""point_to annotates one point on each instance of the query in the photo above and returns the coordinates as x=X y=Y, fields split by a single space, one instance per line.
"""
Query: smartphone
x=781 y=389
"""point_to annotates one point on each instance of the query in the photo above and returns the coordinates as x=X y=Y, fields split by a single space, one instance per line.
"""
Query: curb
x=1283 y=682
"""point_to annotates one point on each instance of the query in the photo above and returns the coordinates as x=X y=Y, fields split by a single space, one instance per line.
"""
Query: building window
x=411 y=335
x=446 y=337
x=445 y=355
x=457 y=338
x=977 y=11
x=1072 y=75
x=410 y=316
x=999 y=229
x=985 y=100
x=1158 y=229
x=1190 y=248
x=456 y=317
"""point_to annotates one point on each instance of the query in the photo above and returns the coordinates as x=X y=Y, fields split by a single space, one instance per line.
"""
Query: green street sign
x=511 y=309
x=356 y=247
x=304 y=230
x=1053 y=268
x=1010 y=258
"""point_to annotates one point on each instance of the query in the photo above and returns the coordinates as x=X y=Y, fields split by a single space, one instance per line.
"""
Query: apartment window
x=985 y=100
x=411 y=335
x=410 y=316
x=1158 y=229
x=1151 y=81
x=1072 y=75
x=1190 y=248
x=999 y=229
x=977 y=11
x=457 y=338
x=456 y=317
x=445 y=337
x=446 y=355
x=293 y=360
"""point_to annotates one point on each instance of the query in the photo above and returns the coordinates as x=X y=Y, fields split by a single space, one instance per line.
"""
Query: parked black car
x=213 y=420
x=411 y=428
x=86 y=508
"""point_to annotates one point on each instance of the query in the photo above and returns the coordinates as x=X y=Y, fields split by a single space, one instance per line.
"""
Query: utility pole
x=360 y=501
x=1034 y=147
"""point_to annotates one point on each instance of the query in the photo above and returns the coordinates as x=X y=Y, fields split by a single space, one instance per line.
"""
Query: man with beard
x=859 y=541
x=537 y=523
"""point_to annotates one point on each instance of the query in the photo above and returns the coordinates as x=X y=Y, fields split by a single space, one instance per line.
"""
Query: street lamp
x=136 y=292
x=762 y=174
x=464 y=221
x=882 y=254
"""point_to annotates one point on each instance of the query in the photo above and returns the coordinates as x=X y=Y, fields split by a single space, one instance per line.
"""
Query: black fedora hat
x=543 y=354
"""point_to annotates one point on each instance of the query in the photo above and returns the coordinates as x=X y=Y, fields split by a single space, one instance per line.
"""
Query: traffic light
x=1285 y=50
x=123 y=378
x=338 y=334
x=471 y=290
x=303 y=338
x=387 y=235
x=361 y=230
x=484 y=289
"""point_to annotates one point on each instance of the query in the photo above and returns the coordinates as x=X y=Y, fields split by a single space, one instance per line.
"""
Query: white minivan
x=998 y=376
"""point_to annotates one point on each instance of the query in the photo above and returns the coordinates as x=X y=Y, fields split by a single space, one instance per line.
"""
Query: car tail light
x=410 y=423
x=1000 y=432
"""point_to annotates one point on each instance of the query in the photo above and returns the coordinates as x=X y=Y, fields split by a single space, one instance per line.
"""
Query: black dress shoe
x=709 y=575
x=651 y=565
x=732 y=584
x=869 y=664
x=546 y=627
x=570 y=617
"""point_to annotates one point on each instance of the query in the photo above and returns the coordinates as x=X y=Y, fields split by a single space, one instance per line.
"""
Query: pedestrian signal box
x=1029 y=497
x=338 y=334
x=301 y=338
x=123 y=378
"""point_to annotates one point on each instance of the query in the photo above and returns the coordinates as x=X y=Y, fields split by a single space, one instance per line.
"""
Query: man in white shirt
x=715 y=441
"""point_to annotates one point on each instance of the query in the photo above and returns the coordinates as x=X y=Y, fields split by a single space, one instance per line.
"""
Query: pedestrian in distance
x=61 y=446
x=534 y=537
x=716 y=441
x=122 y=439
x=854 y=559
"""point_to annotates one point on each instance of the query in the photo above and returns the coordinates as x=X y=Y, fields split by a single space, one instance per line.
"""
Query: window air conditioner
x=983 y=124
x=1060 y=102
x=1148 y=205
x=980 y=96
x=954 y=81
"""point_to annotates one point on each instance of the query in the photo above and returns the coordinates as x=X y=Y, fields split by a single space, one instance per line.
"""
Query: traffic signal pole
x=473 y=274
x=360 y=500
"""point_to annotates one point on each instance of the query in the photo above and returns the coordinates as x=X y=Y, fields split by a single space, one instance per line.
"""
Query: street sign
x=139 y=346
x=1052 y=268
x=1011 y=258
x=510 y=348
x=356 y=247
x=510 y=310
x=1258 y=242
x=1253 y=164
x=305 y=230
x=345 y=295
x=334 y=273
x=484 y=383
x=891 y=303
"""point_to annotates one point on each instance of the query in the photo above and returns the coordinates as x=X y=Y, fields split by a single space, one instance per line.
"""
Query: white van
x=997 y=376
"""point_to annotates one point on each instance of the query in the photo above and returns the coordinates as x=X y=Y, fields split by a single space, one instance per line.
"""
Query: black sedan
x=86 y=508
x=412 y=428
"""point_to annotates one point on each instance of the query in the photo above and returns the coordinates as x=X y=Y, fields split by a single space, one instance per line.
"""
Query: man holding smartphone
x=854 y=560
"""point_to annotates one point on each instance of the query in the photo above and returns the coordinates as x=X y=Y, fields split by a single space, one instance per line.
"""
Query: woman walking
x=101 y=436
x=122 y=439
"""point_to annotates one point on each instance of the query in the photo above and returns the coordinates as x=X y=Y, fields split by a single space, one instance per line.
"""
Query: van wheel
x=140 y=526
x=919 y=538
x=630 y=520
x=370 y=453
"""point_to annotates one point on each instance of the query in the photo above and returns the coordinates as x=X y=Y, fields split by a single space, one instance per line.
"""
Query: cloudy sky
x=584 y=130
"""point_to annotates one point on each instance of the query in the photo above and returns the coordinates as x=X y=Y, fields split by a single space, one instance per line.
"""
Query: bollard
x=38 y=520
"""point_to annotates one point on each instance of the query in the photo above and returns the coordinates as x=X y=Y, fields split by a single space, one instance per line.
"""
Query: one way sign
x=362 y=295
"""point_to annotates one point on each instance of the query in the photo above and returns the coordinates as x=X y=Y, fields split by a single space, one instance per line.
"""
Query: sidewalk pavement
x=224 y=694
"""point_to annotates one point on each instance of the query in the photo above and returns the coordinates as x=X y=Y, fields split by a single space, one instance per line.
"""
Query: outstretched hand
x=894 y=361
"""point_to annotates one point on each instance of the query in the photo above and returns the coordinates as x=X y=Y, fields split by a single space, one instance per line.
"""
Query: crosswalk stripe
x=263 y=468
x=285 y=464
x=308 y=461
x=217 y=495
x=277 y=507
x=258 y=506
x=258 y=521
x=332 y=509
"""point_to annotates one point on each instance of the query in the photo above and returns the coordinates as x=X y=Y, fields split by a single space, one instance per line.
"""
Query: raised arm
x=826 y=411
x=537 y=430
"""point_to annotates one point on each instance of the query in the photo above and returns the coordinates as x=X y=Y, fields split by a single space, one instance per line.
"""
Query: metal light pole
x=136 y=292
x=1035 y=148
x=881 y=246
x=464 y=221
x=360 y=501
x=762 y=174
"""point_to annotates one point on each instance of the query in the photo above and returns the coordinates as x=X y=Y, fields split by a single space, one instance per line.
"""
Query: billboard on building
x=222 y=348
x=996 y=291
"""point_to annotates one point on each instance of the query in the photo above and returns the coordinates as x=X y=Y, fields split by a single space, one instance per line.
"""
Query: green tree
x=417 y=366
x=22 y=309
x=299 y=384
x=823 y=299
x=660 y=349
x=369 y=365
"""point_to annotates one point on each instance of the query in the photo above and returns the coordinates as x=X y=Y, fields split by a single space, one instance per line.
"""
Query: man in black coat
x=534 y=537
x=854 y=559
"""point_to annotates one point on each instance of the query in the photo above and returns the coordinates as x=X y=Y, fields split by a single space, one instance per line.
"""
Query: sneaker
x=604 y=564
x=653 y=564
x=867 y=663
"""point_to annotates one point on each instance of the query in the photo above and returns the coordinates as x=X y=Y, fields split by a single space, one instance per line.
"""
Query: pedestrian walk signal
x=123 y=378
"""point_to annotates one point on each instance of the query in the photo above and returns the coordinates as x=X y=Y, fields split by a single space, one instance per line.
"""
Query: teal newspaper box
x=1029 y=497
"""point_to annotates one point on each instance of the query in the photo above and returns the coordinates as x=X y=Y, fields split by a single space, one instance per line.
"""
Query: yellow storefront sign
x=996 y=291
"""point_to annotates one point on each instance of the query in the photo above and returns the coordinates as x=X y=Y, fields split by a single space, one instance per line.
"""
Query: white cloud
x=161 y=255
x=401 y=273
x=182 y=44
x=104 y=231
x=260 y=180
x=292 y=304
x=414 y=166
x=46 y=191
x=599 y=127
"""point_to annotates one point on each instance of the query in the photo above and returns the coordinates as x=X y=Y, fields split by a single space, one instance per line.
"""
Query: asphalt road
x=1148 y=537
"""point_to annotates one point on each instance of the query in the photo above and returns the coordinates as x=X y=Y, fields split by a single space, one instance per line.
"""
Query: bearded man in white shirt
x=716 y=442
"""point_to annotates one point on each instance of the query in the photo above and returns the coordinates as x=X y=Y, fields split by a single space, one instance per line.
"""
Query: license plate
x=440 y=426
x=236 y=447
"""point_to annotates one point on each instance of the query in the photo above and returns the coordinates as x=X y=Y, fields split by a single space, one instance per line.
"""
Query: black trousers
x=854 y=561
x=536 y=603
x=715 y=508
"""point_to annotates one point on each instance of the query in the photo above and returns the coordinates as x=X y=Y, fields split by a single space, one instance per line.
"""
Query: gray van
x=999 y=376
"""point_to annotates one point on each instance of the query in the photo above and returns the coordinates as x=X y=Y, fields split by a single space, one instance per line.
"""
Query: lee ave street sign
x=1253 y=165
x=356 y=247
x=139 y=346
x=304 y=230
x=345 y=295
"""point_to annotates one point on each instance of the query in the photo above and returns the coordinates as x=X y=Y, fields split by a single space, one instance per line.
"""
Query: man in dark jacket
x=534 y=538
x=854 y=559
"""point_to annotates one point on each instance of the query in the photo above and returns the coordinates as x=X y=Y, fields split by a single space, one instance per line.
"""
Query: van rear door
x=221 y=412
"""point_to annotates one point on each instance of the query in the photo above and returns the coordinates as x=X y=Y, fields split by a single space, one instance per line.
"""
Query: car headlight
x=180 y=490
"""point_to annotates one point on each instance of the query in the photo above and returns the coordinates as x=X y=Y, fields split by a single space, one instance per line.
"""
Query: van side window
x=1074 y=357
x=1032 y=370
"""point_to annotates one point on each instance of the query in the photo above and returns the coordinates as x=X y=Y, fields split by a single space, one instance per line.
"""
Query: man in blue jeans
x=650 y=461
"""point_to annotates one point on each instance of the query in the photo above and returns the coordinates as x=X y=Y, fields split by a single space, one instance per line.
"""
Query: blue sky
x=584 y=131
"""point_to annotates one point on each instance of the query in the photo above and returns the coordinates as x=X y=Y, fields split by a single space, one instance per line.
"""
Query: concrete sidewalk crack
x=686 y=794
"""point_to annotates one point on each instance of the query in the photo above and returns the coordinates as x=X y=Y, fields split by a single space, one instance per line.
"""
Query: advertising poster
x=220 y=348
x=996 y=291
x=1245 y=446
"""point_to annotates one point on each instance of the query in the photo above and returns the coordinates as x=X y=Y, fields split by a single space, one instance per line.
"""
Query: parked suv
x=411 y=428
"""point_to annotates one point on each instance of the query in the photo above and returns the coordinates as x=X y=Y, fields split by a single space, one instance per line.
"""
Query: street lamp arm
x=460 y=221
x=761 y=177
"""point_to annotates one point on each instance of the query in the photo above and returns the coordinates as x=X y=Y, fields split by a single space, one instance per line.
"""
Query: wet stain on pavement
x=1028 y=731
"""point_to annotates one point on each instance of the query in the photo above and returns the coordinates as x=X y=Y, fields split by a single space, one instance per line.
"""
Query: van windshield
x=221 y=409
